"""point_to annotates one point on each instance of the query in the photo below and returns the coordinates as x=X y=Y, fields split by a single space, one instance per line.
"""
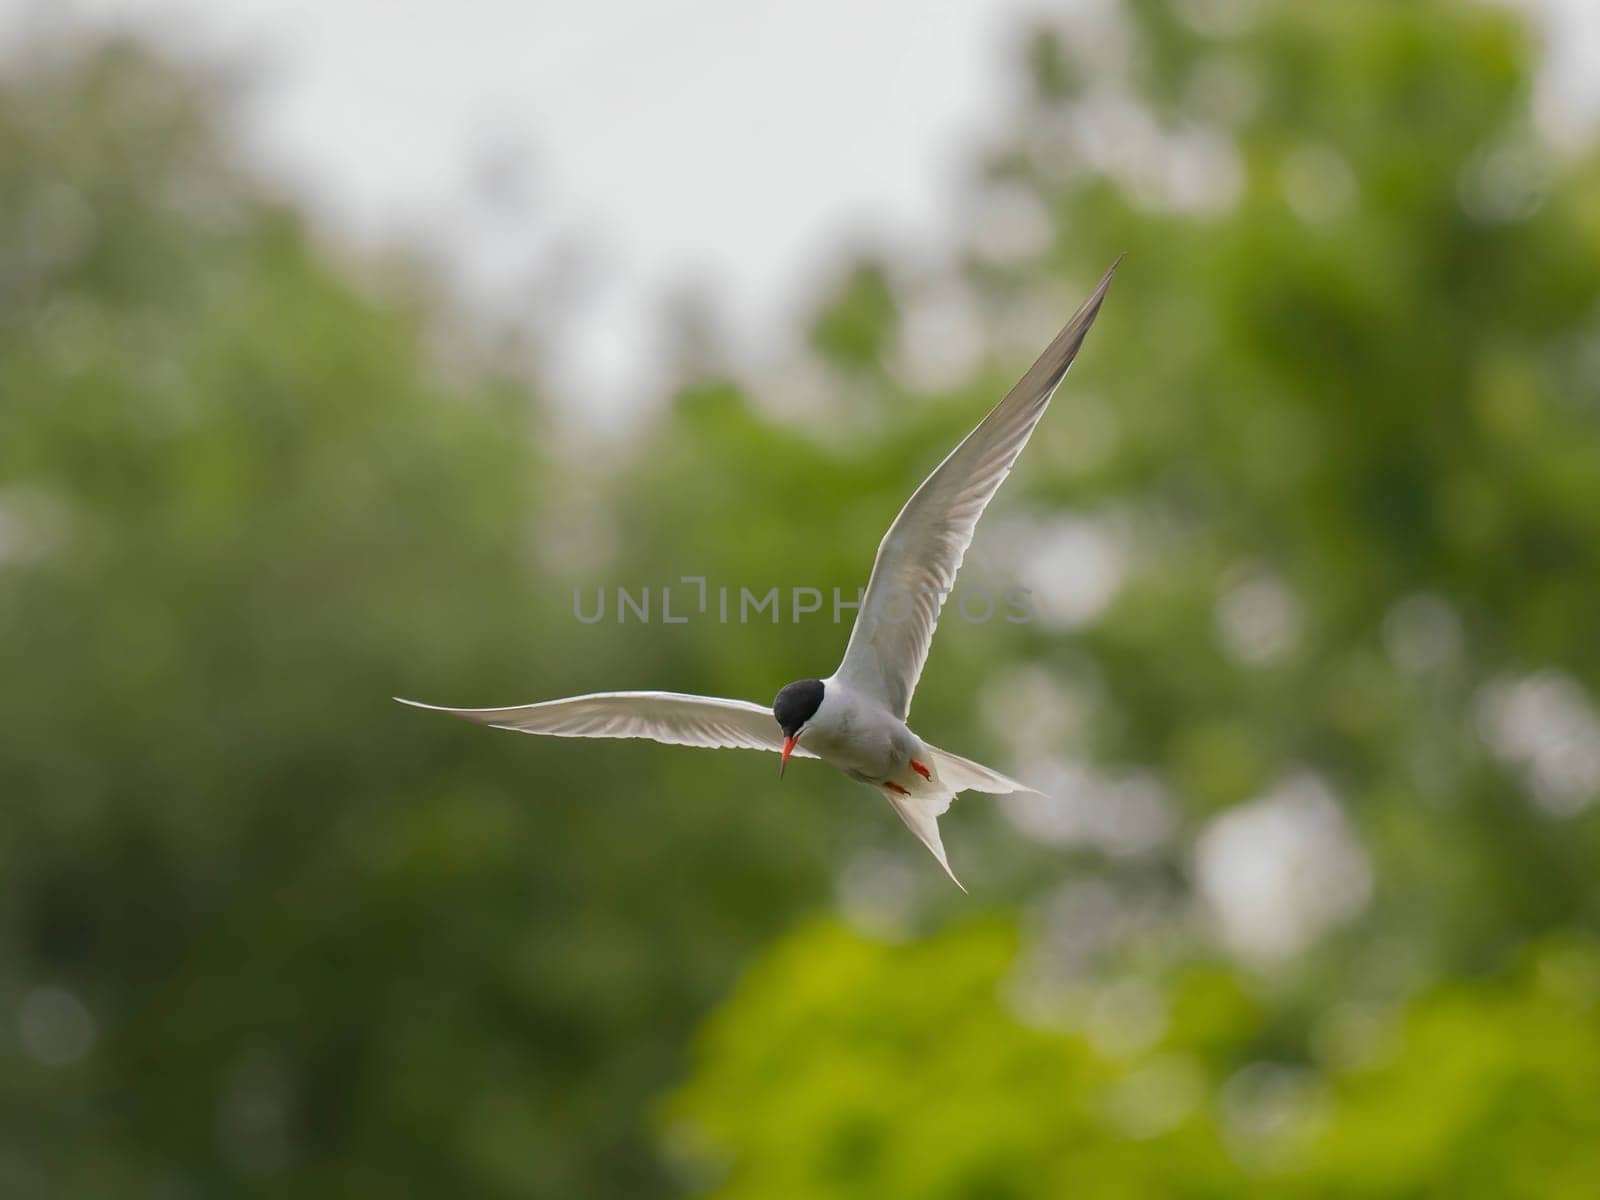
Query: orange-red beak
x=788 y=749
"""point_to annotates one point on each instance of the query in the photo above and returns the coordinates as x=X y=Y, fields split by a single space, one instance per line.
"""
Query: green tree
x=1339 y=423
x=263 y=929
x=1331 y=447
x=845 y=1067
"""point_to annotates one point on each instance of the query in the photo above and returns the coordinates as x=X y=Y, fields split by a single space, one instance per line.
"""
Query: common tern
x=855 y=719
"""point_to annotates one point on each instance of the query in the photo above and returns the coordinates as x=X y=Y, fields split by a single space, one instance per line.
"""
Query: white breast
x=858 y=735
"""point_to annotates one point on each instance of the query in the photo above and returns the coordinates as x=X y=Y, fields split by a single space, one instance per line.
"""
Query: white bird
x=855 y=720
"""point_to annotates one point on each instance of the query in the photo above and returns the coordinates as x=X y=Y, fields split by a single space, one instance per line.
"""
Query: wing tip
x=1104 y=286
x=1061 y=352
x=421 y=704
x=454 y=712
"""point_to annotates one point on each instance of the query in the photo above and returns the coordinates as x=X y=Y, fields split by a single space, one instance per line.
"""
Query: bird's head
x=794 y=707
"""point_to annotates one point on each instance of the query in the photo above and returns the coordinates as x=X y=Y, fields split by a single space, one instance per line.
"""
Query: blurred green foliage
x=320 y=943
x=1348 y=420
x=845 y=1067
x=264 y=932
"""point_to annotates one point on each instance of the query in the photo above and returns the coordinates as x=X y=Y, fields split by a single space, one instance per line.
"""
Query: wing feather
x=673 y=718
x=919 y=557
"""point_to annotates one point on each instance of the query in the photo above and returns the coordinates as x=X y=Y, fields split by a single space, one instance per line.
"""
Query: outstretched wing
x=920 y=555
x=670 y=717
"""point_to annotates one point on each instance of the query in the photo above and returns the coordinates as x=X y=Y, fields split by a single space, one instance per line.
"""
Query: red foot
x=896 y=788
x=922 y=770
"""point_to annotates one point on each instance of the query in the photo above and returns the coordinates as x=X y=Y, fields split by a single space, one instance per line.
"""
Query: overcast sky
x=639 y=146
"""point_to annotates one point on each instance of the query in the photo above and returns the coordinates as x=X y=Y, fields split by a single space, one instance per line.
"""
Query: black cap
x=797 y=704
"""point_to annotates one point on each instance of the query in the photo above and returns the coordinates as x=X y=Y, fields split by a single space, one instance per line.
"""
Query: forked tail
x=963 y=775
x=921 y=806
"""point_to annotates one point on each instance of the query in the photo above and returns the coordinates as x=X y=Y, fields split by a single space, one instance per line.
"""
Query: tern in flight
x=855 y=720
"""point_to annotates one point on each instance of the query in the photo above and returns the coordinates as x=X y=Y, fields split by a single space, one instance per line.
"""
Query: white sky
x=635 y=147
